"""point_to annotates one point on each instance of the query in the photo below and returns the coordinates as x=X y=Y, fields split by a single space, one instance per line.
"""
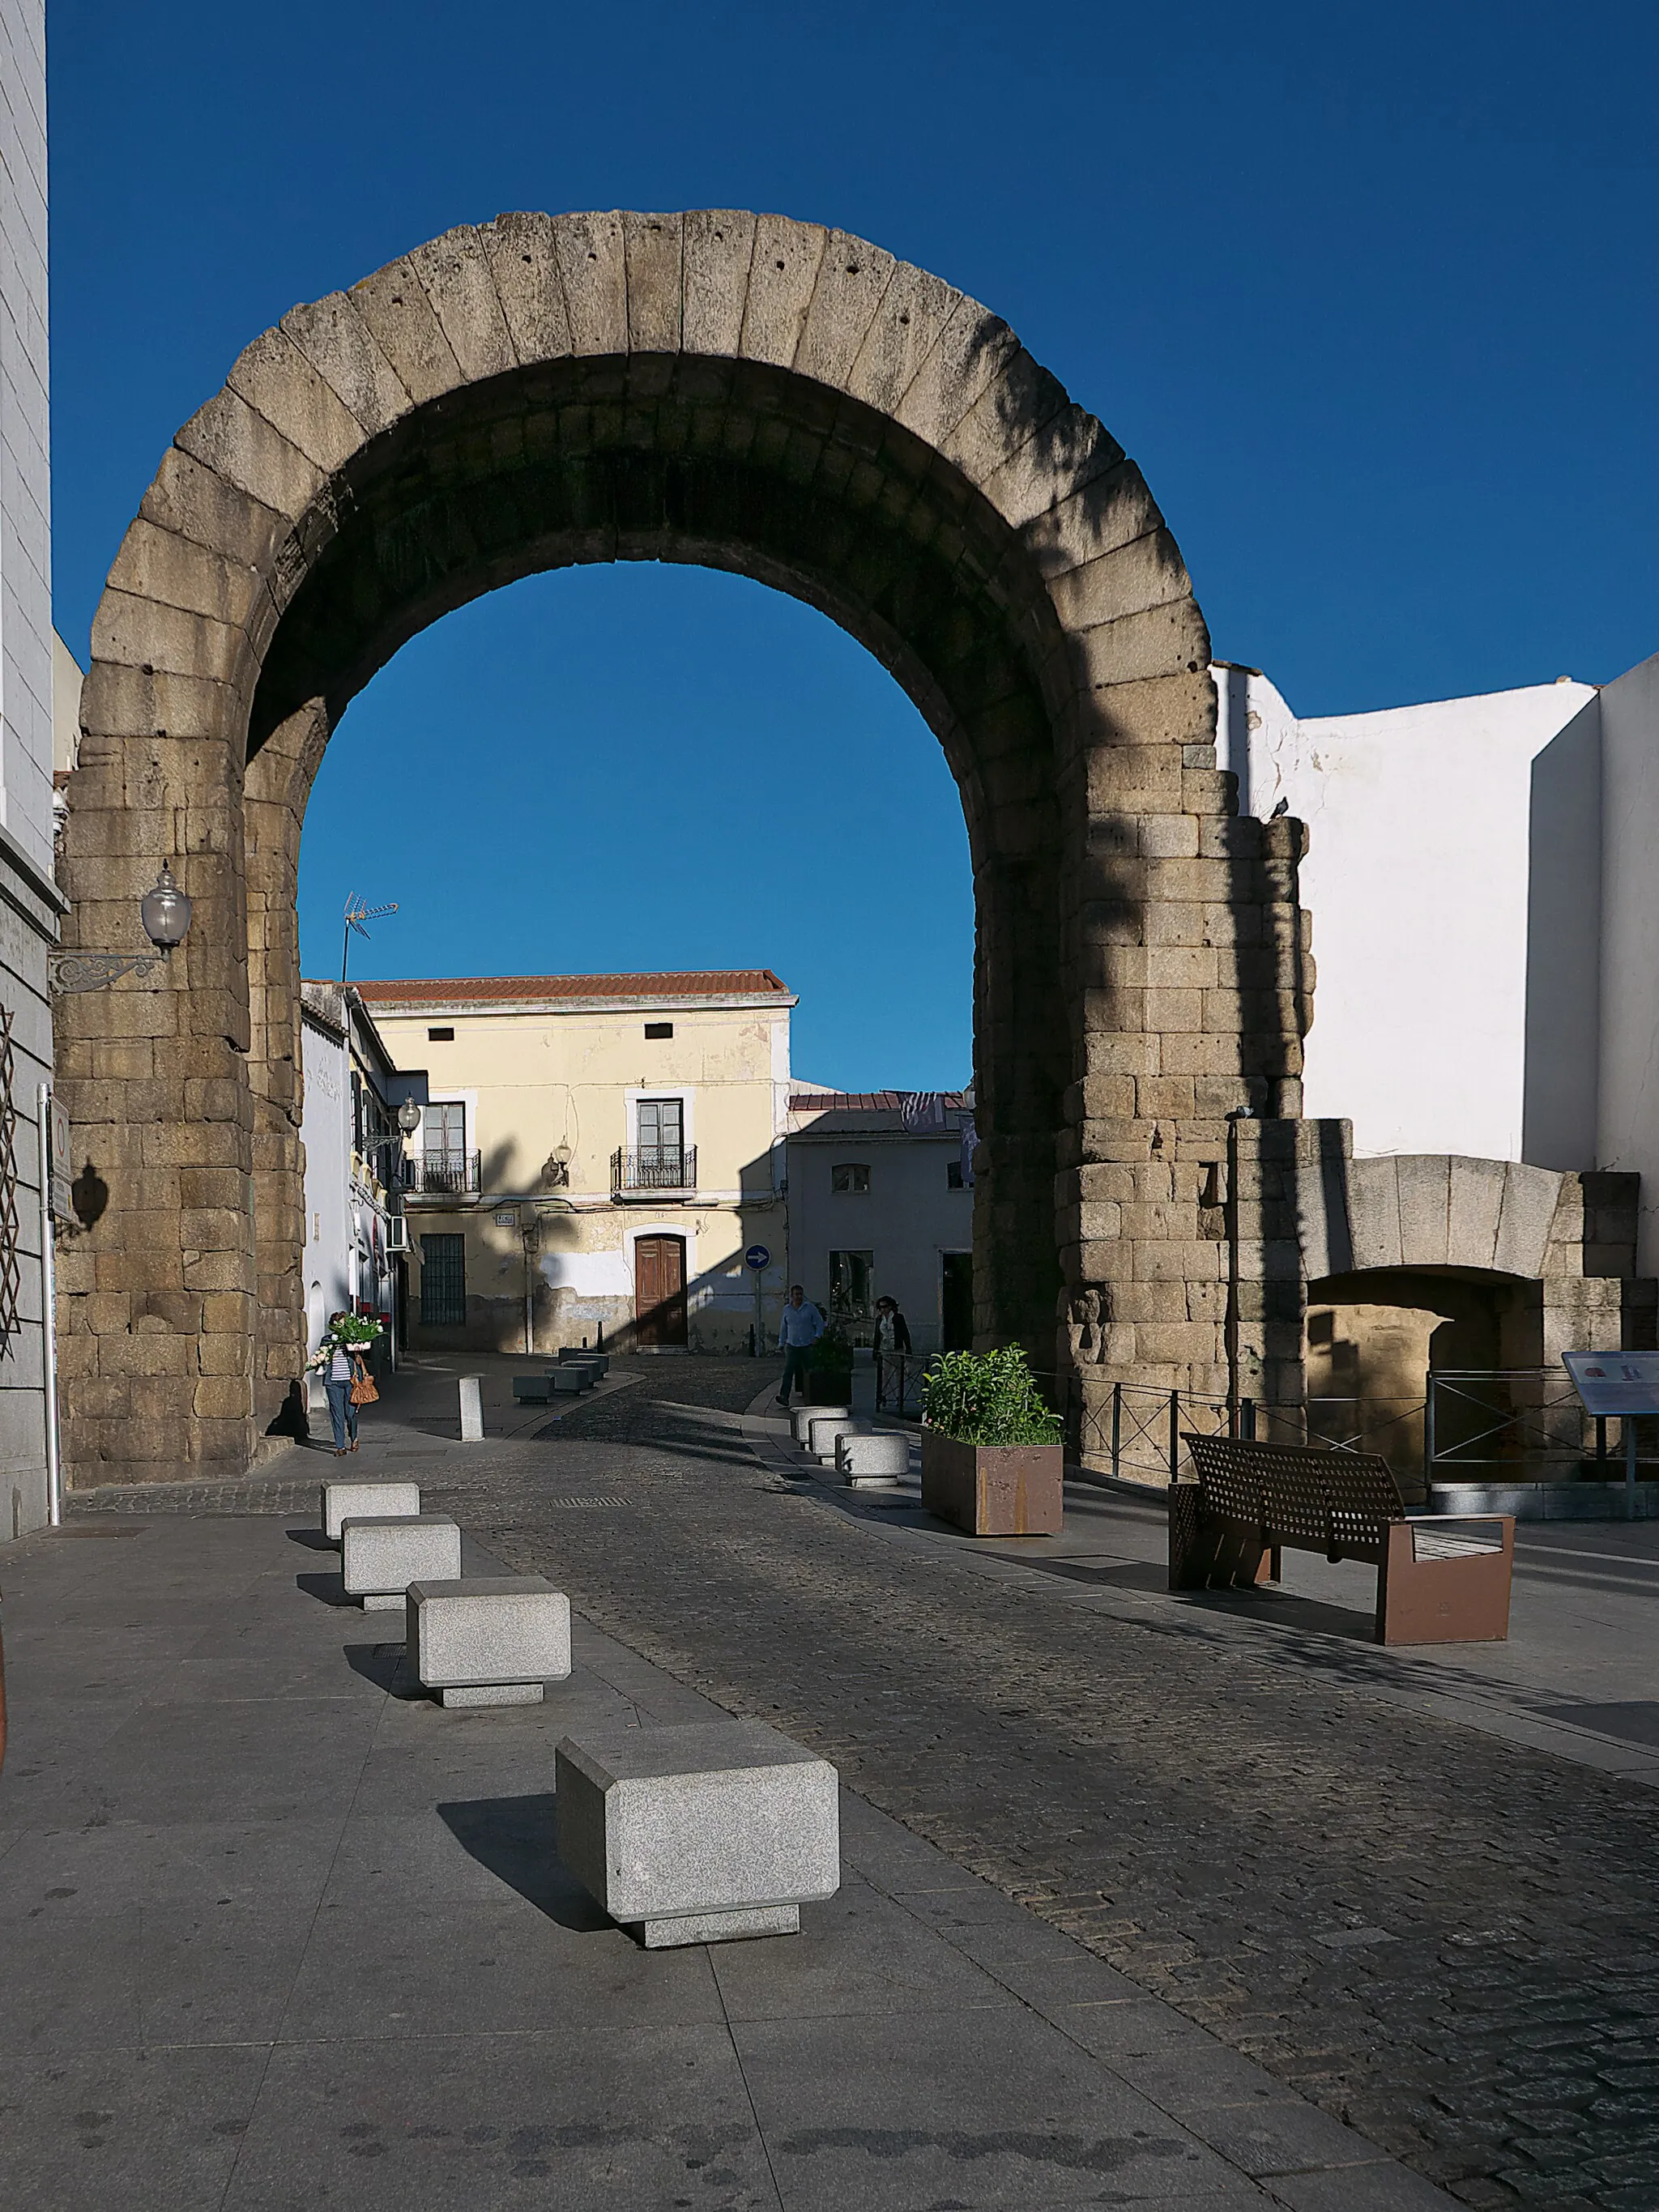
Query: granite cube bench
x=698 y=1834
x=567 y=1379
x=532 y=1389
x=825 y=1431
x=380 y=1557
x=488 y=1639
x=801 y=1420
x=379 y=1500
x=599 y=1361
x=877 y=1463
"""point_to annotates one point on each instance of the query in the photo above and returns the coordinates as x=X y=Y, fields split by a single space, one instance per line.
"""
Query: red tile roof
x=558 y=990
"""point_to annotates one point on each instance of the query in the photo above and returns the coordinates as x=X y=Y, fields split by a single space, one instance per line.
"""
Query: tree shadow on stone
x=514 y=1839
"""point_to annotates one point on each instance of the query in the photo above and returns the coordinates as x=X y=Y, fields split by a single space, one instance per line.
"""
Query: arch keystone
x=523 y=263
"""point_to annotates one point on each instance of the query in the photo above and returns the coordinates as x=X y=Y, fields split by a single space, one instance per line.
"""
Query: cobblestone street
x=1438 y=1934
x=1445 y=1939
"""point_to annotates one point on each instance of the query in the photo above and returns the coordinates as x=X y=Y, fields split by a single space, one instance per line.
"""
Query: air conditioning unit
x=396 y=1232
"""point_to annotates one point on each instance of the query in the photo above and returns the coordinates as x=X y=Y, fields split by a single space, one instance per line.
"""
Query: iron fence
x=899 y=1377
x=1517 y=1425
x=1136 y=1434
x=653 y=1167
x=444 y=1173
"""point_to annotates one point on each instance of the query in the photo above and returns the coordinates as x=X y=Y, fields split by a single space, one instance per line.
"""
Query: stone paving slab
x=1433 y=1927
x=299 y=1937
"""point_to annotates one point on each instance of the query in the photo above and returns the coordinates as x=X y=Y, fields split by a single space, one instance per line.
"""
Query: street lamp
x=165 y=912
x=409 y=1117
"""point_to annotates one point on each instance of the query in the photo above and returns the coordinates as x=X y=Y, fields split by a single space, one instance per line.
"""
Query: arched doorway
x=736 y=391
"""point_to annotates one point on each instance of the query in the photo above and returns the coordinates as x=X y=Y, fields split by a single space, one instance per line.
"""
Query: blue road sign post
x=757 y=1259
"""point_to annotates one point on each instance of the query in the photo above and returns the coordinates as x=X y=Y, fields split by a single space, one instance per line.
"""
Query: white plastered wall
x=1420 y=828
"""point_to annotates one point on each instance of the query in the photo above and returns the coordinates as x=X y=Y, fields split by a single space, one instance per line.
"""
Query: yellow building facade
x=597 y=1155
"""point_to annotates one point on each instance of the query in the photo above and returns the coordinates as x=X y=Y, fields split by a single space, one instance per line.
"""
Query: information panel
x=1614 y=1383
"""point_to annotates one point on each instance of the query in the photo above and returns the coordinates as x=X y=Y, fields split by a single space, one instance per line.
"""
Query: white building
x=881 y=1205
x=30 y=903
x=354 y=1251
x=1486 y=916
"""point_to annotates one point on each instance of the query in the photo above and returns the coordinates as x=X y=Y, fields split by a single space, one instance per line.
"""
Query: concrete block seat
x=343 y=1500
x=488 y=1639
x=801 y=1419
x=698 y=1834
x=824 y=1431
x=380 y=1558
x=532 y=1390
x=599 y=1361
x=566 y=1380
x=877 y=1463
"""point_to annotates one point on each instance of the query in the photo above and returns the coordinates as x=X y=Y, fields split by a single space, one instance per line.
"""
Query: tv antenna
x=356 y=914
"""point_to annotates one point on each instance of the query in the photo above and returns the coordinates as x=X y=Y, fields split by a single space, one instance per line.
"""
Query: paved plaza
x=1146 y=1900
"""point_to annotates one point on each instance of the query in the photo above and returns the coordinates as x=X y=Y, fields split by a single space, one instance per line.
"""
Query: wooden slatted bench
x=1441 y=1578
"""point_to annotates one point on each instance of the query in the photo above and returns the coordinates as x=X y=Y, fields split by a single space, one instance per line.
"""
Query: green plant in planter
x=832 y=1353
x=987 y=1398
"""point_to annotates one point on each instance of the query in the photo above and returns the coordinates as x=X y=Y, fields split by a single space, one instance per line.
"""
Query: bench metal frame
x=1441 y=1578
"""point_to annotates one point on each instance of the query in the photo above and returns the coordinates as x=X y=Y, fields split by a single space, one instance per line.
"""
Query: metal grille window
x=851 y=1176
x=443 y=1281
x=849 y=1284
x=662 y=1123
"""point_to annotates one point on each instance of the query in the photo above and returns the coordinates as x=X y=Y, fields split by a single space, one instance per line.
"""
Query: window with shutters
x=661 y=1125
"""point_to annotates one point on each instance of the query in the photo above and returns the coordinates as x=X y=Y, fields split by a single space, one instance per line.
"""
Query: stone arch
x=737 y=391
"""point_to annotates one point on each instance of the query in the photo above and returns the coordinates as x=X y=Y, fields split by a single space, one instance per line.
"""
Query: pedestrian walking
x=798 y=1332
x=892 y=1338
x=343 y=1372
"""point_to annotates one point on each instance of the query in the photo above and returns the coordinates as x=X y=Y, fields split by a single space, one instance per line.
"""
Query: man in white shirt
x=798 y=1332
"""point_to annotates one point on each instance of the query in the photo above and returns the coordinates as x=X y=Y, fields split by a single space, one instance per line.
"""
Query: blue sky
x=1368 y=291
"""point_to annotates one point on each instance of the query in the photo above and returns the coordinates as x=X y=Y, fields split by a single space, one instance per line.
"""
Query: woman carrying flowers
x=339 y=1359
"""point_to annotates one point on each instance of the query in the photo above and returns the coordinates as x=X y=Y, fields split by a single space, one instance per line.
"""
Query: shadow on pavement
x=328 y=1589
x=312 y=1539
x=386 y=1665
x=513 y=1839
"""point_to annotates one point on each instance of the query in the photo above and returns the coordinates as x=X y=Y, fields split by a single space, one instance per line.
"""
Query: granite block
x=873 y=1462
x=380 y=1557
x=365 y=1501
x=710 y=1823
x=801 y=1419
x=487 y=1633
x=825 y=1431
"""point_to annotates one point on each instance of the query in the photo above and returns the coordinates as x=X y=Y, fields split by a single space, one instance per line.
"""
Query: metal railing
x=433 y=1174
x=653 y=1167
x=899 y=1380
x=1513 y=1424
x=1136 y=1433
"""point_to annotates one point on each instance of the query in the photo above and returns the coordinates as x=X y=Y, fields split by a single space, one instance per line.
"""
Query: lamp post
x=165 y=912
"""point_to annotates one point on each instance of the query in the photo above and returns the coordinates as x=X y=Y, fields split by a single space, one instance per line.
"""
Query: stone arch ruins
x=751 y=394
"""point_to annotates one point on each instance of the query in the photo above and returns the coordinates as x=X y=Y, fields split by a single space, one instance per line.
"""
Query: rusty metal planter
x=992 y=1490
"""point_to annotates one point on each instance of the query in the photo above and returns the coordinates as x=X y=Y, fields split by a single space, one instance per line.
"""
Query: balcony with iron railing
x=653 y=1171
x=443 y=1174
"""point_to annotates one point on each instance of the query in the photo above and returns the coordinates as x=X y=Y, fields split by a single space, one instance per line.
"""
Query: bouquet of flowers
x=349 y=1333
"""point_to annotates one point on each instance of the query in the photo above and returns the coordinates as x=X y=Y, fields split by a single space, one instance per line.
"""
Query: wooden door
x=659 y=1290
